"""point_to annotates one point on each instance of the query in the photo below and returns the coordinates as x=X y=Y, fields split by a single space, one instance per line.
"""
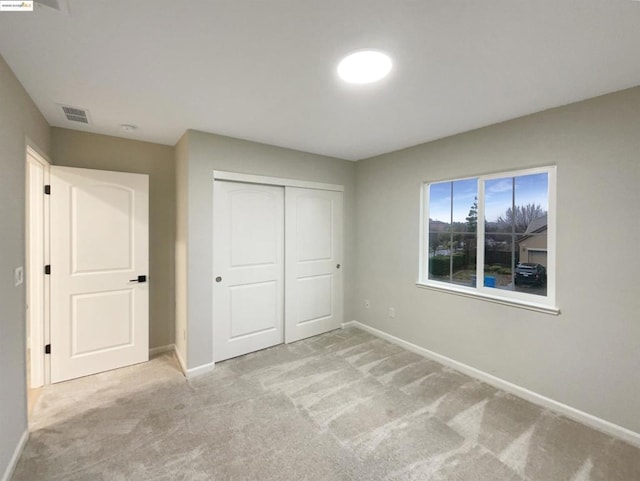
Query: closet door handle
x=218 y=279
x=338 y=266
x=139 y=279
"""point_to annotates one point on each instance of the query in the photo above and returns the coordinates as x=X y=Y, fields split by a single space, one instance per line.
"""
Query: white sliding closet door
x=314 y=295
x=248 y=266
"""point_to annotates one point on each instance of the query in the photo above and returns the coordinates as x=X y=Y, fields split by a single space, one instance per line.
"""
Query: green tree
x=472 y=217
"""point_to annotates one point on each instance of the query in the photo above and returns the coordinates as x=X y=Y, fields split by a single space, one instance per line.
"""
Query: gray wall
x=589 y=356
x=80 y=149
x=19 y=117
x=208 y=152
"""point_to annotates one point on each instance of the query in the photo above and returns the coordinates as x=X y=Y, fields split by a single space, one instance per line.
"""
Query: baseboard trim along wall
x=156 y=351
x=195 y=371
x=200 y=370
x=13 y=462
x=188 y=373
x=183 y=365
x=595 y=422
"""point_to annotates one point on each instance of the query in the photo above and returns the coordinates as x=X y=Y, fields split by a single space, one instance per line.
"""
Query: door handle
x=139 y=279
x=218 y=279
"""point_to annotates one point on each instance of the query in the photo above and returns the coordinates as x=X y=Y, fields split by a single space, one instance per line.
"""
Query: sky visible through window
x=529 y=189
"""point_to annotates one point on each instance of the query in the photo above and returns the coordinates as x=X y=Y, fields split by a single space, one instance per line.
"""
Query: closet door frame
x=274 y=181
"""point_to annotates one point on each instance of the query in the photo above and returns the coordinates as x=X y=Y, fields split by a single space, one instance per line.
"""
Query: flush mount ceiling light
x=128 y=127
x=364 y=66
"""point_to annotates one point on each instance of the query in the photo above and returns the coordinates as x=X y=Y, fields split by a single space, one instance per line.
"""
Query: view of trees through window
x=453 y=222
x=514 y=241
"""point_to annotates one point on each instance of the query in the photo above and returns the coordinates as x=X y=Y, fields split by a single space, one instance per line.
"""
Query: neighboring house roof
x=536 y=226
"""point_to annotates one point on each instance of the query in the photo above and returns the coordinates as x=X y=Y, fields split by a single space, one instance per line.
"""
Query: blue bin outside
x=489 y=281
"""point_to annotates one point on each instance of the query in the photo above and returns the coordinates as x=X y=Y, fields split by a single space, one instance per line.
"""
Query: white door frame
x=279 y=181
x=37 y=256
x=266 y=180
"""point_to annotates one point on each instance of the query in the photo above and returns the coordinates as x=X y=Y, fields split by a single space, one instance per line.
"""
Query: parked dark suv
x=528 y=273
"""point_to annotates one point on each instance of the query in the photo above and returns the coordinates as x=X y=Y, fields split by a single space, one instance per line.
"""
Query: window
x=510 y=256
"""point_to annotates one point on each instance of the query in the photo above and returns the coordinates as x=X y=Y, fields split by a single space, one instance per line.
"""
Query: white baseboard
x=155 y=351
x=595 y=422
x=13 y=462
x=200 y=370
x=193 y=372
x=183 y=365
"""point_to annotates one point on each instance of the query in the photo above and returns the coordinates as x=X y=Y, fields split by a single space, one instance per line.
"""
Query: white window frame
x=534 y=302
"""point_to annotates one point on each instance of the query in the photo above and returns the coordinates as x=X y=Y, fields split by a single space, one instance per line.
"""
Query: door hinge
x=47 y=189
x=47 y=349
x=47 y=269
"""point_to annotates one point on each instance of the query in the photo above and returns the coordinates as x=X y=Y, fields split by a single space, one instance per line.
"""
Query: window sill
x=530 y=306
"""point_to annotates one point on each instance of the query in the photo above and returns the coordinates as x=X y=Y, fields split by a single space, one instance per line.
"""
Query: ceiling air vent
x=75 y=114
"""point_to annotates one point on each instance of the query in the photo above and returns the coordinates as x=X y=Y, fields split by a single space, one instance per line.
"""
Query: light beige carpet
x=341 y=406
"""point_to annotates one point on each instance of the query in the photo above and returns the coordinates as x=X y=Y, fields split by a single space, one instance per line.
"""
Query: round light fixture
x=364 y=66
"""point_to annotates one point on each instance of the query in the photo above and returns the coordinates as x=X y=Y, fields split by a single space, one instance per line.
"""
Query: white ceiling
x=265 y=70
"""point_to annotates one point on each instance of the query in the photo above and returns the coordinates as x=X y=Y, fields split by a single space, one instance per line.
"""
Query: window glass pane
x=500 y=258
x=531 y=202
x=452 y=226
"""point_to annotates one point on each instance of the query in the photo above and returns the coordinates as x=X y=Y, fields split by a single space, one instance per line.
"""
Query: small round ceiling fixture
x=128 y=127
x=364 y=66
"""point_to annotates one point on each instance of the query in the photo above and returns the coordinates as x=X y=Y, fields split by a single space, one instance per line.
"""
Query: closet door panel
x=248 y=268
x=313 y=239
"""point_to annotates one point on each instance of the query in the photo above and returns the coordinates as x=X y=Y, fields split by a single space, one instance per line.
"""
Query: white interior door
x=99 y=247
x=248 y=267
x=314 y=296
